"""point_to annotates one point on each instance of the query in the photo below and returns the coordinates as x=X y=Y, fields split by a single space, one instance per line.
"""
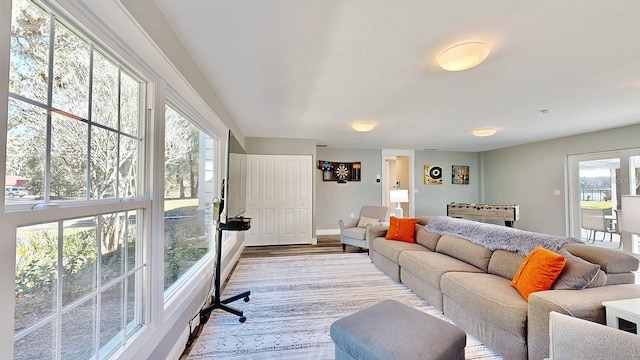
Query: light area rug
x=294 y=301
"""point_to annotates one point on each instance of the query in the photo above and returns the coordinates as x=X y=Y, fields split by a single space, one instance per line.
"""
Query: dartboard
x=341 y=172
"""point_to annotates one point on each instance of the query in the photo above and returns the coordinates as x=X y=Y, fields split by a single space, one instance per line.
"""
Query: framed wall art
x=433 y=175
x=340 y=172
x=460 y=174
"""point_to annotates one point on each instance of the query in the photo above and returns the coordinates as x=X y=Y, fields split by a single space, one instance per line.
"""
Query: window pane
x=70 y=72
x=79 y=257
x=104 y=108
x=187 y=225
x=40 y=344
x=128 y=172
x=68 y=158
x=38 y=249
x=78 y=331
x=133 y=308
x=111 y=318
x=129 y=105
x=113 y=233
x=26 y=151
x=132 y=238
x=36 y=274
x=29 y=51
x=634 y=175
x=104 y=160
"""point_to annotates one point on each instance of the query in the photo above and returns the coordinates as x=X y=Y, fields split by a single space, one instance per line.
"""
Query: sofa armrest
x=573 y=338
x=348 y=223
x=611 y=261
x=585 y=304
x=376 y=231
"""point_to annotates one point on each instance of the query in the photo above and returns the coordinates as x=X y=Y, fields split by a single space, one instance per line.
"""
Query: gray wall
x=433 y=199
x=337 y=201
x=528 y=175
x=274 y=146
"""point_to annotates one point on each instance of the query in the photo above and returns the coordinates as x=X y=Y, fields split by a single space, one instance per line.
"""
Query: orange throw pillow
x=538 y=271
x=402 y=229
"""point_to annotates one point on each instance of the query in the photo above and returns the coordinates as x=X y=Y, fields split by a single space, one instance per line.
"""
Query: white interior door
x=262 y=205
x=279 y=199
x=295 y=203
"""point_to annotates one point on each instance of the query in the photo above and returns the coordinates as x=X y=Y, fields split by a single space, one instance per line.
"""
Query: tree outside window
x=188 y=185
x=73 y=137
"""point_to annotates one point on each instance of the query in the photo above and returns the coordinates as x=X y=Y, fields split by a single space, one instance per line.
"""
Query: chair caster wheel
x=243 y=319
x=246 y=299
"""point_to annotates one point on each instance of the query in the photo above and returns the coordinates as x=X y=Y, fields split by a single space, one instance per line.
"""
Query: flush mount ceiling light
x=362 y=126
x=463 y=56
x=484 y=132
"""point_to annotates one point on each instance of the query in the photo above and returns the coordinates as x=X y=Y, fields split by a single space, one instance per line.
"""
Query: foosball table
x=507 y=213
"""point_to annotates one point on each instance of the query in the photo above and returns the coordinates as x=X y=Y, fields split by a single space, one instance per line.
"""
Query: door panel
x=279 y=198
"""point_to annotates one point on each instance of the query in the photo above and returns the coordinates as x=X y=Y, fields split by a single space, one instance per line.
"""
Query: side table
x=623 y=314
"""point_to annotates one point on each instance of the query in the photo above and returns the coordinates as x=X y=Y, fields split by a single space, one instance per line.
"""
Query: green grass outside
x=595 y=204
x=179 y=206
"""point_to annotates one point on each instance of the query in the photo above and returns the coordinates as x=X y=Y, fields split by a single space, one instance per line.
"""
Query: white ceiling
x=310 y=68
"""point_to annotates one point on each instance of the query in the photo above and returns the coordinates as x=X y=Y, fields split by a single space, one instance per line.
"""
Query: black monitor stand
x=218 y=303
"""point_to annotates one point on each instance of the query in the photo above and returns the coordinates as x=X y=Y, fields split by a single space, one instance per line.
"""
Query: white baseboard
x=328 y=232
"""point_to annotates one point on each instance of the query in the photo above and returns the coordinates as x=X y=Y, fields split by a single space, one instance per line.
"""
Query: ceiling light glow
x=484 y=132
x=363 y=126
x=463 y=56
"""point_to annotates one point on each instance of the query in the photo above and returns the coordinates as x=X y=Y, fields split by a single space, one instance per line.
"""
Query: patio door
x=597 y=181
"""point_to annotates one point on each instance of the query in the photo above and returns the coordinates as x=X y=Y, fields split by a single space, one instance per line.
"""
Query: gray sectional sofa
x=471 y=284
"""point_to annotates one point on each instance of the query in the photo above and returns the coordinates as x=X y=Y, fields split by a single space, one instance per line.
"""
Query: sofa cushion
x=391 y=249
x=538 y=271
x=430 y=266
x=488 y=296
x=610 y=261
x=402 y=229
x=464 y=250
x=426 y=238
x=577 y=273
x=504 y=263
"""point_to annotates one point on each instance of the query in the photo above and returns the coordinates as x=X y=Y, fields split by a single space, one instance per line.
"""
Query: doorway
x=398 y=173
x=596 y=183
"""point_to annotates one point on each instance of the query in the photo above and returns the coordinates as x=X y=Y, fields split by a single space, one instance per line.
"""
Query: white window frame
x=13 y=217
x=203 y=266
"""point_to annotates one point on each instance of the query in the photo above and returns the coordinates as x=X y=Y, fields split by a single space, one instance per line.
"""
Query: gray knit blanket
x=494 y=237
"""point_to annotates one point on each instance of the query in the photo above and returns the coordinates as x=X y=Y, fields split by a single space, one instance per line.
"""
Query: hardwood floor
x=327 y=244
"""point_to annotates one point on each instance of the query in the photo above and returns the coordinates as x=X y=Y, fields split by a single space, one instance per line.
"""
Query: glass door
x=634 y=189
x=596 y=183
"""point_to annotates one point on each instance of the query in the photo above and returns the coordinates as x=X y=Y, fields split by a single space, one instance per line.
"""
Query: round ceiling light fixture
x=463 y=56
x=484 y=132
x=363 y=126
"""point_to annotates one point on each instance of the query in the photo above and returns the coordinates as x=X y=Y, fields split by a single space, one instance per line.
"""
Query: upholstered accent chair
x=573 y=338
x=369 y=220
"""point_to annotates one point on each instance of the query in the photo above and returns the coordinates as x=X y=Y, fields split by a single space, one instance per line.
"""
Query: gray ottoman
x=390 y=330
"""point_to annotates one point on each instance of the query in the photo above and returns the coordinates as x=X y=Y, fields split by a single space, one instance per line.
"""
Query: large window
x=76 y=286
x=189 y=184
x=73 y=142
x=73 y=131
